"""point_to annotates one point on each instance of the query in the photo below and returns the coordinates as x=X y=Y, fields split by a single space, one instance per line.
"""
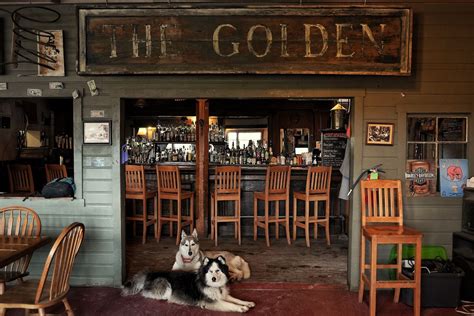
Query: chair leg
x=178 y=229
x=373 y=277
x=417 y=289
x=277 y=217
x=239 y=231
x=155 y=203
x=326 y=218
x=287 y=220
x=295 y=214
x=191 y=212
x=68 y=308
x=144 y=220
x=171 y=215
x=267 y=229
x=160 y=204
x=2 y=288
x=306 y=222
x=255 y=218
x=235 y=215
x=41 y=311
x=134 y=210
x=213 y=217
x=396 y=296
x=316 y=204
x=361 y=268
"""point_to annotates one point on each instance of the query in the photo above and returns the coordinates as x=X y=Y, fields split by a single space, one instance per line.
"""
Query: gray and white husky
x=189 y=257
x=206 y=288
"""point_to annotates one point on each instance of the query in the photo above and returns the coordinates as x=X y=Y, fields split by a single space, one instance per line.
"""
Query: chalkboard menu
x=333 y=147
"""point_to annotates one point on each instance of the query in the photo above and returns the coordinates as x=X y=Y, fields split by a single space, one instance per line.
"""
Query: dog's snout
x=190 y=253
x=214 y=279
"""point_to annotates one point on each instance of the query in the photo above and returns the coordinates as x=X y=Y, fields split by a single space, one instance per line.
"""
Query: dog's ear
x=205 y=261
x=195 y=233
x=221 y=259
x=183 y=234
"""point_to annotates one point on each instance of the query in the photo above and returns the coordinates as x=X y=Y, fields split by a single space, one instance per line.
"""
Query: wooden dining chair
x=318 y=185
x=169 y=188
x=136 y=190
x=20 y=178
x=226 y=189
x=17 y=221
x=277 y=188
x=382 y=223
x=55 y=171
x=53 y=285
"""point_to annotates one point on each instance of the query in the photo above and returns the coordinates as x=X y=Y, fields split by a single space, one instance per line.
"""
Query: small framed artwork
x=379 y=134
x=98 y=132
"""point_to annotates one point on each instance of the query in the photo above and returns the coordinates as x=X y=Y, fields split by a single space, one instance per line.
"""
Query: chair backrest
x=227 y=180
x=19 y=221
x=134 y=179
x=168 y=179
x=54 y=171
x=381 y=201
x=61 y=260
x=20 y=178
x=277 y=180
x=318 y=180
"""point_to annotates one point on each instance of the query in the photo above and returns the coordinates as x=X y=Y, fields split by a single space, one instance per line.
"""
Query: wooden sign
x=259 y=40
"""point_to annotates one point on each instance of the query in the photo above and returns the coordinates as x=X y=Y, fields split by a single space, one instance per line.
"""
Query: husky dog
x=189 y=257
x=206 y=288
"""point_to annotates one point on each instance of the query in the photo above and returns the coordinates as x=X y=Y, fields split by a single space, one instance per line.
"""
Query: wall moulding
x=347 y=40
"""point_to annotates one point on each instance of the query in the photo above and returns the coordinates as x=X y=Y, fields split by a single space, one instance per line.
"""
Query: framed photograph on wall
x=379 y=134
x=98 y=132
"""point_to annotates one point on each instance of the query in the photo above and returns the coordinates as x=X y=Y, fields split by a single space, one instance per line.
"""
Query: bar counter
x=252 y=180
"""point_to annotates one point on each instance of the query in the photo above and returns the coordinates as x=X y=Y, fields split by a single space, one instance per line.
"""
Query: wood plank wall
x=442 y=81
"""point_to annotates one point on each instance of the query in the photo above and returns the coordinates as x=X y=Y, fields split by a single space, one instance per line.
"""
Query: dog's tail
x=244 y=267
x=135 y=285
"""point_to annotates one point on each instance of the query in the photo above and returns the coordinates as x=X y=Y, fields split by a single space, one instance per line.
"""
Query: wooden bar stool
x=226 y=188
x=169 y=188
x=318 y=185
x=21 y=179
x=135 y=189
x=277 y=188
x=382 y=205
x=54 y=171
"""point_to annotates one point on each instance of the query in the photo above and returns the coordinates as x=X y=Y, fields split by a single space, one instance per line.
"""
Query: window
x=429 y=139
x=241 y=137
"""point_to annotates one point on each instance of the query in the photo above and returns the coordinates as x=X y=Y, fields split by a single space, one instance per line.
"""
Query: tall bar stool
x=277 y=188
x=135 y=189
x=54 y=171
x=169 y=188
x=318 y=185
x=21 y=179
x=226 y=188
x=382 y=205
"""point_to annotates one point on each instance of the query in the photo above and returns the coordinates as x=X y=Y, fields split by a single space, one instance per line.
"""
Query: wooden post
x=202 y=164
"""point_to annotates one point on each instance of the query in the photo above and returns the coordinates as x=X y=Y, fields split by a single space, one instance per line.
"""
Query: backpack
x=60 y=187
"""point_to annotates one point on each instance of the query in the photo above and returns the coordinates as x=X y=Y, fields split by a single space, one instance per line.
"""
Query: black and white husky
x=189 y=257
x=206 y=288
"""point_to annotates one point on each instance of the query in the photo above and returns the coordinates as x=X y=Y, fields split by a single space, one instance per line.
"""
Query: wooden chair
x=17 y=221
x=169 y=188
x=318 y=185
x=54 y=171
x=277 y=188
x=21 y=179
x=382 y=223
x=226 y=188
x=53 y=285
x=136 y=190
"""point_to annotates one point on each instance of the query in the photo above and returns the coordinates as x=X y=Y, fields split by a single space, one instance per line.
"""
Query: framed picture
x=98 y=132
x=379 y=134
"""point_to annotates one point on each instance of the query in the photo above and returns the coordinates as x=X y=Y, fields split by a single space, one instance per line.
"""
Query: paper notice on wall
x=453 y=175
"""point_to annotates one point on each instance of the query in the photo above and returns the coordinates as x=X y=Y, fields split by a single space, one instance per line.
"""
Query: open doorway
x=161 y=131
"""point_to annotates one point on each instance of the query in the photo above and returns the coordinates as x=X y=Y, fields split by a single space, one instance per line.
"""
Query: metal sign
x=259 y=40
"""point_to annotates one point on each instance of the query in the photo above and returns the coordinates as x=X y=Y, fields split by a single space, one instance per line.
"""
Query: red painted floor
x=285 y=299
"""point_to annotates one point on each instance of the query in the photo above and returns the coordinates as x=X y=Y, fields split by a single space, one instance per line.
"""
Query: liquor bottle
x=315 y=156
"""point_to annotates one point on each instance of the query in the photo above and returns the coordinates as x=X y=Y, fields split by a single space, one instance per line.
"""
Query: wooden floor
x=279 y=263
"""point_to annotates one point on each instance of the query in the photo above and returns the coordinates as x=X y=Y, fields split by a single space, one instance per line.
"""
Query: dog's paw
x=250 y=304
x=242 y=309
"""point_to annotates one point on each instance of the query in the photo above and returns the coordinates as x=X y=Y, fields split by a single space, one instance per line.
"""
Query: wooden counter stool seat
x=318 y=185
x=226 y=188
x=55 y=171
x=20 y=178
x=17 y=221
x=382 y=223
x=277 y=188
x=169 y=188
x=136 y=190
